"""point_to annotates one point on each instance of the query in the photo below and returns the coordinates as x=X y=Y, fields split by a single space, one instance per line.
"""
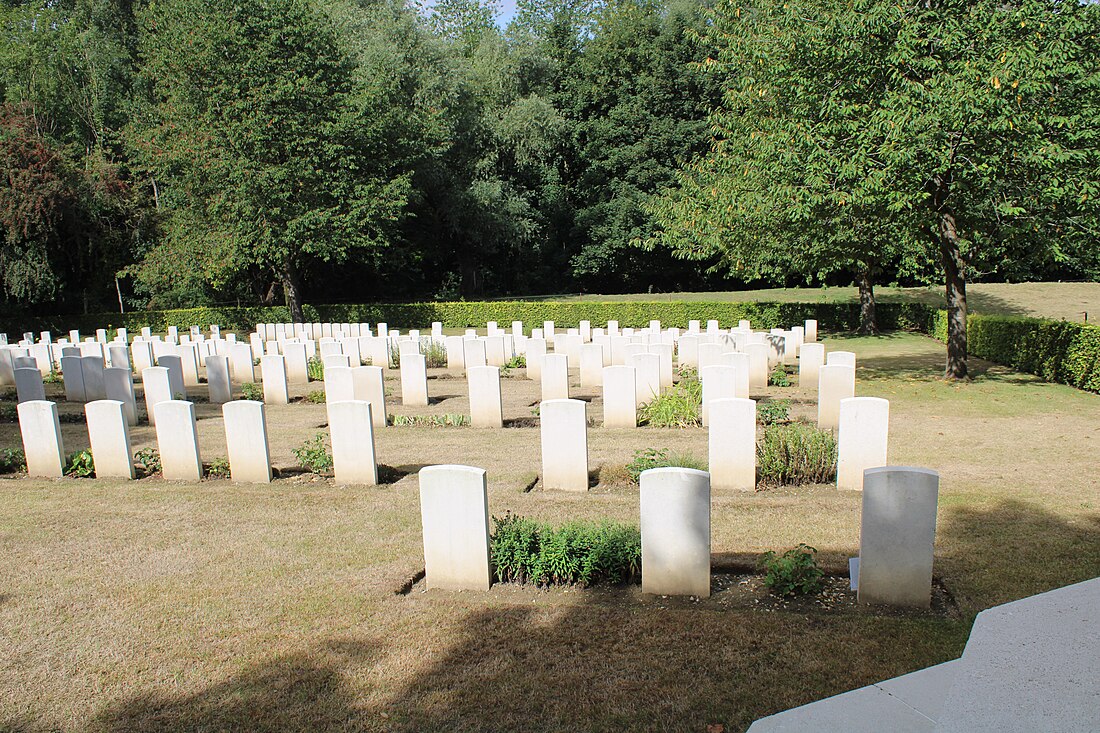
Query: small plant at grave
x=775 y=411
x=648 y=458
x=448 y=420
x=796 y=454
x=13 y=460
x=435 y=353
x=218 y=468
x=179 y=396
x=317 y=397
x=315 y=369
x=53 y=378
x=793 y=573
x=314 y=455
x=536 y=410
x=525 y=551
x=8 y=412
x=779 y=377
x=394 y=350
x=252 y=391
x=516 y=362
x=149 y=460
x=80 y=465
x=679 y=407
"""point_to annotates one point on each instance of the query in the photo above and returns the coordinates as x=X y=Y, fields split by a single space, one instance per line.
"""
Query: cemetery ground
x=152 y=605
x=1059 y=301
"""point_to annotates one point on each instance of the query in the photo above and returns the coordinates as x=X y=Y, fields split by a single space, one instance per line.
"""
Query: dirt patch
x=730 y=591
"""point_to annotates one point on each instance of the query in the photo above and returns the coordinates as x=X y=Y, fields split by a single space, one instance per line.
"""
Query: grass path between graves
x=1059 y=301
x=155 y=606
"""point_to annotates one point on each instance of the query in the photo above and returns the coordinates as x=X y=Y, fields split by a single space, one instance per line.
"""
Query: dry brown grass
x=1066 y=301
x=156 y=606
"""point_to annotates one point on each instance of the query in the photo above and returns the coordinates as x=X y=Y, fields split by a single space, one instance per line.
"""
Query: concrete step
x=907 y=704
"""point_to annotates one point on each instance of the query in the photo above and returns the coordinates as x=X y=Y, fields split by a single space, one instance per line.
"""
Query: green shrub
x=314 y=455
x=252 y=391
x=678 y=407
x=779 y=377
x=516 y=362
x=449 y=420
x=13 y=460
x=795 y=572
x=9 y=412
x=317 y=397
x=435 y=353
x=773 y=411
x=80 y=465
x=524 y=551
x=53 y=378
x=315 y=369
x=648 y=458
x=796 y=454
x=218 y=468
x=1057 y=351
x=149 y=460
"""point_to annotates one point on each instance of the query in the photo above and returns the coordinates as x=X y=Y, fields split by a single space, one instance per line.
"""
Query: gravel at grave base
x=729 y=592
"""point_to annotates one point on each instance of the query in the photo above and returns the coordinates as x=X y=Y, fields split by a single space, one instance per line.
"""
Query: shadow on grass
x=1014 y=549
x=581 y=667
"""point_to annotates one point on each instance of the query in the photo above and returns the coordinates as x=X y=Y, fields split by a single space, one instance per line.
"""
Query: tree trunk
x=954 y=267
x=868 y=325
x=292 y=288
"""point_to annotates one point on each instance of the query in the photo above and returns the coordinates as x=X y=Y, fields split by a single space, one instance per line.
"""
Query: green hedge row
x=830 y=316
x=1057 y=351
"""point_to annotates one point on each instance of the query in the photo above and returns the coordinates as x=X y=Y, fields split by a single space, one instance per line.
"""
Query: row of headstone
x=897 y=532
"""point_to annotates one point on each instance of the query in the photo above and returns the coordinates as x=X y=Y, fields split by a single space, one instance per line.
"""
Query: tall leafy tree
x=962 y=130
x=267 y=152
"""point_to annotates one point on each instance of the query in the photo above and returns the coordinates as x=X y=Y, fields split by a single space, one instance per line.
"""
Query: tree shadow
x=292 y=693
x=1013 y=549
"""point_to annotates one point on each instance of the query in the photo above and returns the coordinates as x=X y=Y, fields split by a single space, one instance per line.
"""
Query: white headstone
x=338 y=384
x=110 y=439
x=41 y=432
x=742 y=366
x=297 y=363
x=835 y=383
x=719 y=382
x=485 y=402
x=454 y=510
x=72 y=373
x=273 y=375
x=758 y=365
x=897 y=534
x=675 y=513
x=28 y=385
x=564 y=436
x=368 y=386
x=732 y=444
x=555 y=377
x=456 y=353
x=842 y=358
x=414 y=380
x=536 y=352
x=648 y=374
x=592 y=357
x=174 y=365
x=240 y=364
x=352 y=432
x=811 y=331
x=811 y=357
x=246 y=442
x=218 y=379
x=177 y=438
x=155 y=384
x=861 y=439
x=119 y=382
x=620 y=397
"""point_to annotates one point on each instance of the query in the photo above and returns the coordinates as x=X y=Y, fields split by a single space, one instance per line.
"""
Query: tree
x=266 y=152
x=962 y=129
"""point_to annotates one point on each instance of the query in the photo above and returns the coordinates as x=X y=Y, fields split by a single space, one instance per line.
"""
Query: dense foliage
x=525 y=551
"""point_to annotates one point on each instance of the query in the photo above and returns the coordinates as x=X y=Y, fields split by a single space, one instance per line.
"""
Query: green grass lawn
x=157 y=606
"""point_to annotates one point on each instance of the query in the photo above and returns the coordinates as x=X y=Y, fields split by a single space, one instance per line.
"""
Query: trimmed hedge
x=1057 y=351
x=461 y=314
